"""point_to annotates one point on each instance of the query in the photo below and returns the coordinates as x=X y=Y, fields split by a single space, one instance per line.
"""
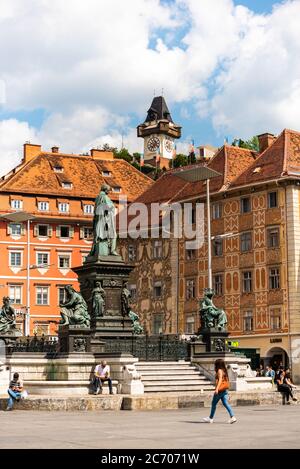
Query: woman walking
x=221 y=392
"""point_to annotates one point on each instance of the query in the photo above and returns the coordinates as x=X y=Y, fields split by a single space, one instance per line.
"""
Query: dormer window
x=106 y=173
x=116 y=189
x=63 y=207
x=58 y=169
x=88 y=209
x=67 y=185
x=16 y=204
x=43 y=206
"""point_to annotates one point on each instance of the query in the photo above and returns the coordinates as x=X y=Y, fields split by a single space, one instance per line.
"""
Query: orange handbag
x=224 y=385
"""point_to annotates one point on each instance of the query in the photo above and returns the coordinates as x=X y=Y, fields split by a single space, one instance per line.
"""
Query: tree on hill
x=251 y=144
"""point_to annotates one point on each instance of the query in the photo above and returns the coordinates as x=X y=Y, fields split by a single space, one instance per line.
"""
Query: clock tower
x=159 y=132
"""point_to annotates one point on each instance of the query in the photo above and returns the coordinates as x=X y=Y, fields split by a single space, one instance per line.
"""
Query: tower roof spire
x=158 y=110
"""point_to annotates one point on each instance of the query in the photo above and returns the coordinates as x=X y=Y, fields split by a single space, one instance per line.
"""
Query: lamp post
x=21 y=217
x=197 y=174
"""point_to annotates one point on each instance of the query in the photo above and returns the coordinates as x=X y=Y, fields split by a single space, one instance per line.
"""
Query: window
x=42 y=231
x=131 y=253
x=274 y=278
x=218 y=247
x=190 y=325
x=218 y=284
x=15 y=294
x=15 y=229
x=88 y=209
x=275 y=319
x=191 y=215
x=15 y=259
x=67 y=185
x=16 y=204
x=216 y=211
x=106 y=173
x=43 y=206
x=58 y=169
x=116 y=189
x=248 y=321
x=157 y=249
x=133 y=292
x=158 y=324
x=87 y=232
x=64 y=261
x=272 y=199
x=247 y=282
x=273 y=237
x=63 y=207
x=42 y=295
x=157 y=289
x=190 y=289
x=42 y=259
x=245 y=205
x=246 y=241
x=62 y=295
x=64 y=231
x=190 y=254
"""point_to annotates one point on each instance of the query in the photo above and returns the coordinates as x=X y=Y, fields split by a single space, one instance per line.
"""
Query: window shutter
x=8 y=229
x=35 y=230
x=23 y=229
x=50 y=231
x=81 y=235
x=71 y=232
x=58 y=231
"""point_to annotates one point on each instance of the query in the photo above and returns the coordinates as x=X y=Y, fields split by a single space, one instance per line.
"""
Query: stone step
x=175 y=382
x=165 y=366
x=178 y=388
x=199 y=378
x=168 y=372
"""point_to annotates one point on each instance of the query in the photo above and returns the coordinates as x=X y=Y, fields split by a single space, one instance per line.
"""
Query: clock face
x=153 y=144
x=169 y=144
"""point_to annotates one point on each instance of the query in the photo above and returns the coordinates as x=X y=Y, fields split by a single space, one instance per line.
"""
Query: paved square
x=257 y=427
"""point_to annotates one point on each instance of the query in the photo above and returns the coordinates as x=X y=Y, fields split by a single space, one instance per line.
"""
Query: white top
x=102 y=371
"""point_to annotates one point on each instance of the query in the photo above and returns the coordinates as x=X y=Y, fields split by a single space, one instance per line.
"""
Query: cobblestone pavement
x=257 y=427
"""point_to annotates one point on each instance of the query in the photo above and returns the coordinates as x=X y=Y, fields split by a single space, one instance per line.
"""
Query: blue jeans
x=221 y=396
x=12 y=397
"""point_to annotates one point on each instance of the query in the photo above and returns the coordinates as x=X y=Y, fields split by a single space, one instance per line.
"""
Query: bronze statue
x=210 y=315
x=74 y=310
x=104 y=229
x=8 y=318
x=127 y=311
x=98 y=300
x=136 y=326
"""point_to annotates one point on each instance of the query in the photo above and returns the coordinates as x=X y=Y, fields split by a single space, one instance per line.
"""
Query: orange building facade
x=46 y=213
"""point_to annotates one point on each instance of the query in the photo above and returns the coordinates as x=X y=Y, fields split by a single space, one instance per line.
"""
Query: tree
x=251 y=144
x=179 y=160
x=123 y=154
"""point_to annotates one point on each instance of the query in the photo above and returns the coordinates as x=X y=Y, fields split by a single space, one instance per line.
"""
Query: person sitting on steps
x=284 y=387
x=102 y=374
x=14 y=391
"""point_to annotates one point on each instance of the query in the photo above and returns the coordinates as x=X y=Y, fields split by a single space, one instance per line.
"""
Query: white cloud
x=13 y=134
x=90 y=65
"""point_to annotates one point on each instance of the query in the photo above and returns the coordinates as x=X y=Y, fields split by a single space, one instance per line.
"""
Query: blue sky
x=79 y=74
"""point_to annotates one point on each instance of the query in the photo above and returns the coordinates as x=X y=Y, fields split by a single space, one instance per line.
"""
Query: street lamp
x=197 y=174
x=21 y=217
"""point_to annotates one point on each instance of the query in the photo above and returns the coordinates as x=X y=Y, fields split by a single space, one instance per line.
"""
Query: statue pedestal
x=214 y=340
x=74 y=339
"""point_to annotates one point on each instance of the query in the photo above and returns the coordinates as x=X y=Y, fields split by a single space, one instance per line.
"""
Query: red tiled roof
x=83 y=172
x=281 y=159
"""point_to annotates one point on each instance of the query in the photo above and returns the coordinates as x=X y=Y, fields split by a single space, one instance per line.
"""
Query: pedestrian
x=102 y=374
x=283 y=386
x=14 y=391
x=221 y=392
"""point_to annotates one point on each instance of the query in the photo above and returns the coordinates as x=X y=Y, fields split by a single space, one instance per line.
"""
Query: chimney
x=265 y=140
x=102 y=154
x=31 y=151
x=55 y=149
